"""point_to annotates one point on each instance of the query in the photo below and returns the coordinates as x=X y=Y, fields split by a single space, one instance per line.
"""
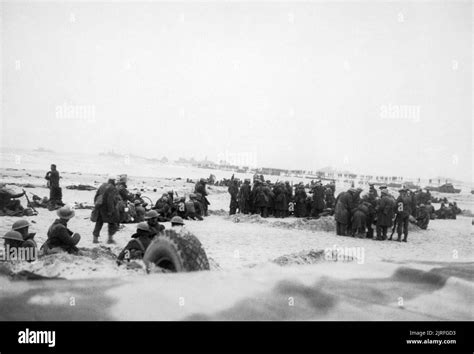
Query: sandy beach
x=246 y=251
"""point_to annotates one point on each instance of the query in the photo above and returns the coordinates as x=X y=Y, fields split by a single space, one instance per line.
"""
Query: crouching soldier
x=136 y=247
x=151 y=218
x=423 y=217
x=16 y=248
x=194 y=209
x=22 y=226
x=359 y=220
x=60 y=238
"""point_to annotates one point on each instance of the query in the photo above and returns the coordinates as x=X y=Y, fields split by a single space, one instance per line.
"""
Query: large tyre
x=176 y=252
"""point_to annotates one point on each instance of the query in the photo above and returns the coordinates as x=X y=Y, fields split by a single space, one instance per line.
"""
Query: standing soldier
x=106 y=210
x=329 y=198
x=261 y=200
x=200 y=189
x=385 y=207
x=244 y=197
x=233 y=190
x=300 y=200
x=317 y=204
x=55 y=193
x=280 y=200
x=403 y=208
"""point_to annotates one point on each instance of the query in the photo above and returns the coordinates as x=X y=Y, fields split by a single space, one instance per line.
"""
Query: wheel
x=176 y=252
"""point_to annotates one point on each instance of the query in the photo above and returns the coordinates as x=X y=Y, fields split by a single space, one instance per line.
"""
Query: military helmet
x=20 y=224
x=151 y=214
x=143 y=226
x=65 y=213
x=13 y=235
x=177 y=220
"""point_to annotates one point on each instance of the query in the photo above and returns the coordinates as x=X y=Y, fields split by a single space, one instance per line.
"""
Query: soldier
x=60 y=238
x=194 y=209
x=55 y=192
x=371 y=200
x=163 y=207
x=140 y=211
x=179 y=207
x=21 y=240
x=106 y=210
x=122 y=189
x=22 y=226
x=431 y=210
x=403 y=210
x=125 y=198
x=244 y=197
x=442 y=212
x=300 y=201
x=261 y=200
x=359 y=219
x=233 y=191
x=151 y=218
x=423 y=217
x=384 y=209
x=201 y=192
x=329 y=198
x=281 y=204
x=136 y=247
x=270 y=196
x=456 y=209
x=9 y=205
x=372 y=190
x=342 y=212
x=317 y=203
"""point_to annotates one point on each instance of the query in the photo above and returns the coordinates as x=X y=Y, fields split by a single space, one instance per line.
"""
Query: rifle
x=29 y=203
x=394 y=227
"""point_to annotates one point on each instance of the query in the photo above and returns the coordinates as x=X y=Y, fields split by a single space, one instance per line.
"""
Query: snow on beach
x=235 y=244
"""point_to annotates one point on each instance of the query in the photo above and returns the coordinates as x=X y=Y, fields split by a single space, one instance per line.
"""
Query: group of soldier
x=20 y=242
x=114 y=204
x=280 y=199
x=354 y=215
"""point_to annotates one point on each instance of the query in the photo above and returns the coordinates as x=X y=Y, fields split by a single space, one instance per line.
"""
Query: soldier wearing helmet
x=60 y=238
x=136 y=247
x=177 y=221
x=18 y=248
x=151 y=218
x=22 y=226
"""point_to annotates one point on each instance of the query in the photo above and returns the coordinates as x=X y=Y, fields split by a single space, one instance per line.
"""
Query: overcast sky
x=378 y=88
